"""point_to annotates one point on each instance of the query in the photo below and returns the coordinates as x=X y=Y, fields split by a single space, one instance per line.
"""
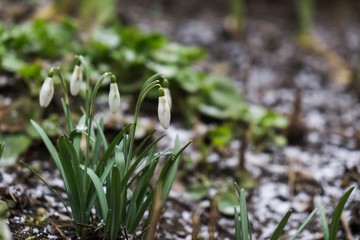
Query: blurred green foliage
x=26 y=49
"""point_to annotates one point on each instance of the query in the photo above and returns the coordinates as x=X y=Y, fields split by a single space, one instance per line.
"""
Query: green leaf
x=169 y=181
x=47 y=184
x=307 y=220
x=280 y=227
x=16 y=144
x=226 y=202
x=30 y=70
x=112 y=224
x=190 y=80
x=48 y=144
x=99 y=191
x=221 y=135
x=238 y=233
x=245 y=226
x=12 y=63
x=197 y=192
x=111 y=148
x=323 y=221
x=335 y=220
x=2 y=145
x=145 y=205
x=73 y=186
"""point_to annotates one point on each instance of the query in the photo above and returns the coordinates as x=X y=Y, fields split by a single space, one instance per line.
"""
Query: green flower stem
x=89 y=117
x=149 y=84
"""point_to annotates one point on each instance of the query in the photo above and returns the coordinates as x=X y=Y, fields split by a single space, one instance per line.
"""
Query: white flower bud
x=114 y=98
x=163 y=110
x=76 y=80
x=46 y=92
x=168 y=96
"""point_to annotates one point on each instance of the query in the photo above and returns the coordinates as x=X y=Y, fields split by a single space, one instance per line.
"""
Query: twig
x=58 y=229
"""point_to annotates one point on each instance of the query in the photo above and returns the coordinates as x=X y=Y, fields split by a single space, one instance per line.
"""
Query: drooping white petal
x=46 y=92
x=164 y=112
x=76 y=80
x=168 y=96
x=114 y=98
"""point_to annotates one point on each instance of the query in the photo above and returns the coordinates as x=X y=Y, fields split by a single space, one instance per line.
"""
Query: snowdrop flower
x=47 y=91
x=163 y=110
x=167 y=92
x=114 y=97
x=76 y=79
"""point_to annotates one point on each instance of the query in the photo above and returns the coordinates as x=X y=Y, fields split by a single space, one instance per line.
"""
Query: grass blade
x=307 y=220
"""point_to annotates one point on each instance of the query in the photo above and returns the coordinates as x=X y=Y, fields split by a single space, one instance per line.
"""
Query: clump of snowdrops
x=116 y=179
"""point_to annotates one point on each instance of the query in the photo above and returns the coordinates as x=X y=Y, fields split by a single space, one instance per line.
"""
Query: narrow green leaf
x=335 y=220
x=323 y=221
x=140 y=146
x=307 y=220
x=279 y=229
x=110 y=149
x=238 y=233
x=120 y=161
x=37 y=175
x=100 y=140
x=48 y=144
x=73 y=187
x=99 y=190
x=140 y=191
x=169 y=181
x=244 y=216
x=135 y=164
x=141 y=211
x=168 y=164
x=1 y=148
x=113 y=222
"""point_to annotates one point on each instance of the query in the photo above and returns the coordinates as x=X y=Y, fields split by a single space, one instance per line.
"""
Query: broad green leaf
x=16 y=144
x=226 y=202
x=197 y=192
